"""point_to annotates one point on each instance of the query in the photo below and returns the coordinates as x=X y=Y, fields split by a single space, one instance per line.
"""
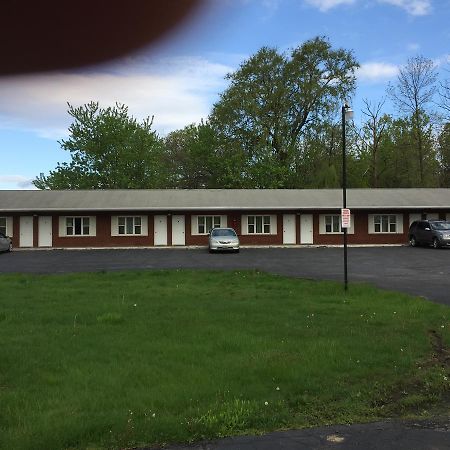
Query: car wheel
x=436 y=243
x=413 y=241
x=10 y=247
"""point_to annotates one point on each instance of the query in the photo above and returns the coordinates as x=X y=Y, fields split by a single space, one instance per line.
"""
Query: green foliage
x=133 y=359
x=273 y=98
x=109 y=150
x=277 y=125
x=443 y=151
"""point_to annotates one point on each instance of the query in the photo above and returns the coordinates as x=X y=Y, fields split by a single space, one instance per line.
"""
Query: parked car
x=430 y=232
x=5 y=243
x=224 y=239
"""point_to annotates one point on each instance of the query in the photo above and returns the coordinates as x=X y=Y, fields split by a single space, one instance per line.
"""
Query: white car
x=5 y=243
x=223 y=239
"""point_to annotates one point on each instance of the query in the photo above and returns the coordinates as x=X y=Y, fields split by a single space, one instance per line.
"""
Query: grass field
x=114 y=360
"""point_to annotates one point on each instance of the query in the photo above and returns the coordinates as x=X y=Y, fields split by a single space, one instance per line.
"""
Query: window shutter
x=399 y=220
x=371 y=229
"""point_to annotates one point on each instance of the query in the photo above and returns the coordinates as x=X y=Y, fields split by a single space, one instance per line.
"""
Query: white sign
x=345 y=218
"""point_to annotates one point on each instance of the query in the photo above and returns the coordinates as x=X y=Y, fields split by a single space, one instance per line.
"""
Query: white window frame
x=199 y=225
x=250 y=224
x=115 y=225
x=7 y=228
x=336 y=217
x=63 y=226
x=377 y=219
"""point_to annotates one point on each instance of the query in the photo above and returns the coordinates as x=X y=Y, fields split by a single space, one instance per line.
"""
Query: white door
x=160 y=233
x=306 y=229
x=178 y=230
x=26 y=231
x=45 y=231
x=289 y=235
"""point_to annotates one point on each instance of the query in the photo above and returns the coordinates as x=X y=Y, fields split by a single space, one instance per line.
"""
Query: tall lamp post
x=347 y=114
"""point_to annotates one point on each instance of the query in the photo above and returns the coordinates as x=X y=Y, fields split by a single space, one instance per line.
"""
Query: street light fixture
x=347 y=114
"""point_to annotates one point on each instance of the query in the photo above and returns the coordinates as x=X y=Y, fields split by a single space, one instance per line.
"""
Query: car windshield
x=223 y=232
x=440 y=225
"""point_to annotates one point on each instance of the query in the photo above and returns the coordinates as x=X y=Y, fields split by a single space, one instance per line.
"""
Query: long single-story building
x=147 y=218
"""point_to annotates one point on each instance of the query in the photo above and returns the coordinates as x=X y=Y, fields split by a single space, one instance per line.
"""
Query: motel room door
x=289 y=232
x=26 y=231
x=178 y=230
x=160 y=232
x=45 y=237
x=306 y=229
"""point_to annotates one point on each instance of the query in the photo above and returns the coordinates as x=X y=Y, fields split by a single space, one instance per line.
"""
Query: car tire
x=436 y=243
x=412 y=241
x=10 y=247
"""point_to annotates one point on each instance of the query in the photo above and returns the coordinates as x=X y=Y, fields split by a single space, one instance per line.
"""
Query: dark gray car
x=430 y=232
x=5 y=243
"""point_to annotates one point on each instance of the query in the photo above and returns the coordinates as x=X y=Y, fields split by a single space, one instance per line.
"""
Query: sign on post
x=345 y=218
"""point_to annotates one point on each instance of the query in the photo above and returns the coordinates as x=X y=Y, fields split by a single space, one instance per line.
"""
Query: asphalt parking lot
x=418 y=271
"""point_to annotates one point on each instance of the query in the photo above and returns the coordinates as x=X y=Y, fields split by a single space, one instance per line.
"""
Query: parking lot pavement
x=394 y=435
x=418 y=271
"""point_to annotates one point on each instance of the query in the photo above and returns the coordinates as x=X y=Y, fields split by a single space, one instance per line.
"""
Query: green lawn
x=113 y=360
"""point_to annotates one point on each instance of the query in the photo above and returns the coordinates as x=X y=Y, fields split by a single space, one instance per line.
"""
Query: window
x=333 y=224
x=206 y=223
x=129 y=225
x=258 y=224
x=385 y=223
x=77 y=226
x=3 y=225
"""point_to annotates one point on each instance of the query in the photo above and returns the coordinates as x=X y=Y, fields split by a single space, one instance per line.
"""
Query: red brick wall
x=361 y=234
x=104 y=238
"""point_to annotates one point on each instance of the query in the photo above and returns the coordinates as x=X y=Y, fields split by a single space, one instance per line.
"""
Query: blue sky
x=178 y=79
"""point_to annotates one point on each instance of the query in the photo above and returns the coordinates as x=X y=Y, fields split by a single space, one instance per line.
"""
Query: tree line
x=277 y=125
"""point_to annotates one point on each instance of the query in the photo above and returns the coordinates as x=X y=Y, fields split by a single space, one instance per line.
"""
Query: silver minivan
x=5 y=243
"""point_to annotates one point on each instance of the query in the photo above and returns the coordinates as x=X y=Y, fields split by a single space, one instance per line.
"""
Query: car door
x=425 y=233
x=4 y=243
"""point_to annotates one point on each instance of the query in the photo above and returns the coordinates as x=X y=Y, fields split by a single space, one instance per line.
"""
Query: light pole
x=347 y=114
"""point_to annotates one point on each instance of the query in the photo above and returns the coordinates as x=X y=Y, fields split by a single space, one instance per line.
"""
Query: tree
x=191 y=157
x=444 y=92
x=109 y=150
x=413 y=92
x=370 y=140
x=273 y=98
x=444 y=156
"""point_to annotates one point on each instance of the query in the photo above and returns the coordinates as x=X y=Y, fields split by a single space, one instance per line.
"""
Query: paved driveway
x=418 y=271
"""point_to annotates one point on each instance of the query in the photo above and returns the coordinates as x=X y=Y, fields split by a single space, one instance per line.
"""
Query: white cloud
x=374 y=72
x=325 y=5
x=413 y=7
x=18 y=182
x=413 y=47
x=177 y=91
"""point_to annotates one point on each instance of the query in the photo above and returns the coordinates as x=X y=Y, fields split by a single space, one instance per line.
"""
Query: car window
x=220 y=232
x=440 y=226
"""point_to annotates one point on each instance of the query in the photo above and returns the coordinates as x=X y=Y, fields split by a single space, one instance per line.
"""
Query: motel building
x=167 y=218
